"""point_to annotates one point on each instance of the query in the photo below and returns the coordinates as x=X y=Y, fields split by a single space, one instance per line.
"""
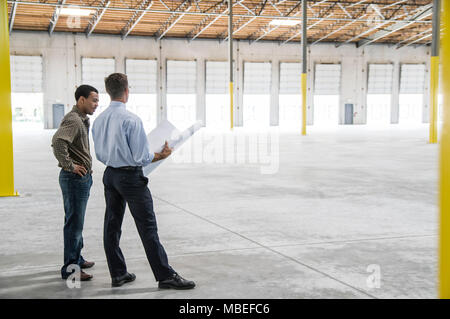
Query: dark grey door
x=58 y=114
x=348 y=113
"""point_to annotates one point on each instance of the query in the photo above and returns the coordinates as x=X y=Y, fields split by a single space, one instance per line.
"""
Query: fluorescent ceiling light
x=76 y=12
x=284 y=22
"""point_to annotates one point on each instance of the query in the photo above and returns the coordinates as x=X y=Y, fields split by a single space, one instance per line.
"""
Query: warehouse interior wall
x=62 y=53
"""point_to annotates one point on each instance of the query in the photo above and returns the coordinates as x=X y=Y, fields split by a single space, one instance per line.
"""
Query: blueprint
x=166 y=131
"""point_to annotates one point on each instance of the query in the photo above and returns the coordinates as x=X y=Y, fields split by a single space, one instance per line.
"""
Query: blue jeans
x=75 y=191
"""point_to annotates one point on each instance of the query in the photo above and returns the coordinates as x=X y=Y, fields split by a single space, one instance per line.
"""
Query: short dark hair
x=84 y=90
x=116 y=84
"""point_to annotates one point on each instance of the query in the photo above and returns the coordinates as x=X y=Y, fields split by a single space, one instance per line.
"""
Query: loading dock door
x=217 y=95
x=181 y=92
x=412 y=87
x=327 y=82
x=290 y=95
x=142 y=80
x=257 y=86
x=379 y=93
x=93 y=72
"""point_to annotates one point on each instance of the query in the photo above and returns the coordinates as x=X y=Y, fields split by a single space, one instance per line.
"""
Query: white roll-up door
x=290 y=78
x=217 y=77
x=380 y=79
x=257 y=77
x=181 y=77
x=26 y=74
x=412 y=79
x=95 y=70
x=327 y=79
x=142 y=75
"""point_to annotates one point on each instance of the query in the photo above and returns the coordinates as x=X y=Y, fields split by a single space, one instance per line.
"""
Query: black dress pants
x=130 y=187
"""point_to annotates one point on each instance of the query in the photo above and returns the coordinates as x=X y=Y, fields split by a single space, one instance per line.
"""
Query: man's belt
x=131 y=168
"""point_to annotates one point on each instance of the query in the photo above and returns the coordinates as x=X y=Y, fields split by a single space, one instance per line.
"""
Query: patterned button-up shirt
x=71 y=141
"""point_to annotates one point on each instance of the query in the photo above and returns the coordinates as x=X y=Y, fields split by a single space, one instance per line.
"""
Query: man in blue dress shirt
x=121 y=144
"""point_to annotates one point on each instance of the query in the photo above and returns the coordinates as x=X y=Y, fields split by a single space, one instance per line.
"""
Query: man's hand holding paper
x=166 y=138
x=166 y=151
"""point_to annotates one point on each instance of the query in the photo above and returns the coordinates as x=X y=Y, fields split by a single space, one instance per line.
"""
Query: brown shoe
x=85 y=277
x=87 y=264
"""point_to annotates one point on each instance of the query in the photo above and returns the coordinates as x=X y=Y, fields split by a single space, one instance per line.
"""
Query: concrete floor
x=342 y=200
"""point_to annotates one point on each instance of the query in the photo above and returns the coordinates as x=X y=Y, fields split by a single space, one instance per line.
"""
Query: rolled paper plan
x=166 y=131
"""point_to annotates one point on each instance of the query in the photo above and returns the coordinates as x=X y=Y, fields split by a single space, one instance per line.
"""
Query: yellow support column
x=304 y=103
x=434 y=93
x=434 y=72
x=6 y=141
x=230 y=58
x=444 y=244
x=304 y=63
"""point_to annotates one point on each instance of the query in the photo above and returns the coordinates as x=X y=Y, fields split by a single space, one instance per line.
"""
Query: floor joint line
x=268 y=248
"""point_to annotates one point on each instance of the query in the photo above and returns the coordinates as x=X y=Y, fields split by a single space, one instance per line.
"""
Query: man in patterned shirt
x=71 y=148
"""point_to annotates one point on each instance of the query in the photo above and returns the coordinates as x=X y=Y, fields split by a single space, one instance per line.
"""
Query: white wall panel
x=257 y=77
x=327 y=79
x=26 y=73
x=290 y=78
x=181 y=77
x=380 y=78
x=412 y=79
x=95 y=70
x=142 y=75
x=217 y=77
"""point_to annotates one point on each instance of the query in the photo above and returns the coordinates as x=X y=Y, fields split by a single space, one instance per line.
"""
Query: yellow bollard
x=434 y=71
x=304 y=85
x=434 y=93
x=6 y=141
x=444 y=243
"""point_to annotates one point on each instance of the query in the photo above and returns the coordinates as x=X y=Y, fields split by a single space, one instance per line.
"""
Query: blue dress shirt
x=119 y=138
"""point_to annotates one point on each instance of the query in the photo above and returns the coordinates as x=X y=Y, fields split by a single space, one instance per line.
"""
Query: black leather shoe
x=119 y=281
x=176 y=282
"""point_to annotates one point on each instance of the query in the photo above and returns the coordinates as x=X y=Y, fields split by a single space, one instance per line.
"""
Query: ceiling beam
x=186 y=5
x=322 y=16
x=238 y=26
x=405 y=42
x=208 y=20
x=329 y=16
x=164 y=4
x=268 y=28
x=275 y=7
x=420 y=39
x=345 y=10
x=197 y=13
x=135 y=18
x=422 y=13
x=378 y=26
x=12 y=15
x=358 y=19
x=55 y=17
x=340 y=28
x=246 y=8
x=97 y=16
x=262 y=7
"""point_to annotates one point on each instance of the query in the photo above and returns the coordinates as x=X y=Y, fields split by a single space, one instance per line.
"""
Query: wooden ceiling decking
x=403 y=23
